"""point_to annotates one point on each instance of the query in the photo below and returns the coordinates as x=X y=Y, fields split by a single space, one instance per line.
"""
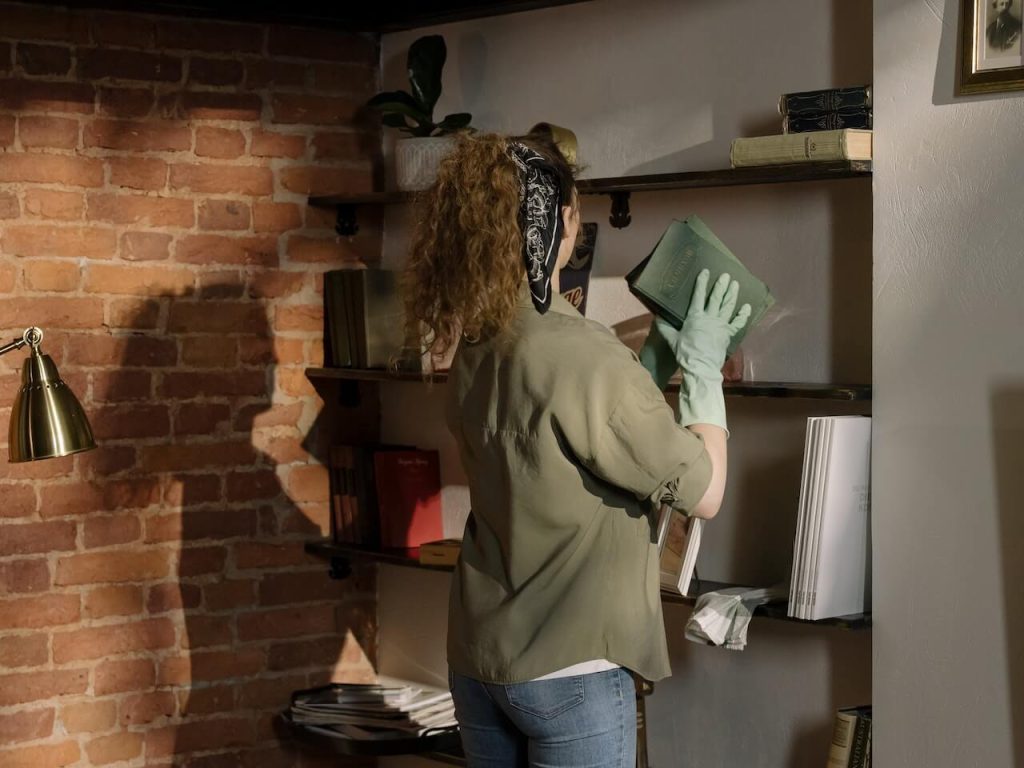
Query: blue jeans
x=583 y=721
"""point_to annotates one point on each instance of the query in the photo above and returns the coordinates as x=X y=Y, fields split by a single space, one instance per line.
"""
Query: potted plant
x=417 y=157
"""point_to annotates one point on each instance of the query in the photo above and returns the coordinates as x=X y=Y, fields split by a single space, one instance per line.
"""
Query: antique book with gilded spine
x=809 y=147
x=664 y=281
x=825 y=100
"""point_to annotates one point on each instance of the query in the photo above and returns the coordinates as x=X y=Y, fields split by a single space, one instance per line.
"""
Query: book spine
x=825 y=100
x=787 y=148
x=861 y=742
x=842 y=740
x=828 y=121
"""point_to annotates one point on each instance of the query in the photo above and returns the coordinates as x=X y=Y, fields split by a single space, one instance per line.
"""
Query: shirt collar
x=558 y=303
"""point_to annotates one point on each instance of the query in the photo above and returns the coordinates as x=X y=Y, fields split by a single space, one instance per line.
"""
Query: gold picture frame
x=990 y=51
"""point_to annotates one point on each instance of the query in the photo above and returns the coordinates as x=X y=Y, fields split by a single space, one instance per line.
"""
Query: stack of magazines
x=388 y=709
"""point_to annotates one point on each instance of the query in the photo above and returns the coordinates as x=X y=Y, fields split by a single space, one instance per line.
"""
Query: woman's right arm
x=715 y=444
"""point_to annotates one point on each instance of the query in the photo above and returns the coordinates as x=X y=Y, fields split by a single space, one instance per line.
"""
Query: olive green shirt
x=569 y=448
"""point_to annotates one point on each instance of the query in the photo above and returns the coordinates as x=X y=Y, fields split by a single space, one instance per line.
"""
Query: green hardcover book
x=664 y=281
x=336 y=330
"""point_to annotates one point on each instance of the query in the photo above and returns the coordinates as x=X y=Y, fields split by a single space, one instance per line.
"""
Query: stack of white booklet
x=678 y=545
x=389 y=709
x=832 y=547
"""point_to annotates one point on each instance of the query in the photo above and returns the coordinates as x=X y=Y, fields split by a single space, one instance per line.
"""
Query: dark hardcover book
x=366 y=517
x=574 y=279
x=860 y=749
x=336 y=331
x=827 y=121
x=825 y=100
x=664 y=281
x=408 y=497
x=354 y=309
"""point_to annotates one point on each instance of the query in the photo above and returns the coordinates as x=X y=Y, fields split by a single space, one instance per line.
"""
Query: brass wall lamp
x=47 y=420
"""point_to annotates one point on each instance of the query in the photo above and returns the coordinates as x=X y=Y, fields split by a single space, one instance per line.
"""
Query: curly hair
x=465 y=269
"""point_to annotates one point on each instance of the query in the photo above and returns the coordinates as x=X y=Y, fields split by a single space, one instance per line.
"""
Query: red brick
x=272 y=144
x=313 y=110
x=115 y=600
x=89 y=716
x=123 y=350
x=345 y=146
x=133 y=313
x=273 y=284
x=308 y=483
x=54 y=204
x=212 y=105
x=8 y=276
x=193 y=490
x=115 y=748
x=39 y=612
x=207 y=700
x=98 y=642
x=358 y=79
x=293 y=382
x=9 y=207
x=18 y=688
x=37 y=96
x=7 y=124
x=253 y=485
x=197 y=525
x=106 y=567
x=51 y=275
x=62 y=499
x=259 y=556
x=137 y=136
x=24 y=650
x=199 y=561
x=145 y=246
x=173 y=458
x=269 y=692
x=224 y=215
x=68 y=242
x=152 y=281
x=201 y=419
x=221 y=284
x=220 y=249
x=240 y=180
x=305 y=653
x=215 y=71
x=122 y=29
x=29 y=538
x=200 y=735
x=140 y=210
x=26 y=726
x=207 y=632
x=58 y=132
x=24 y=576
x=27 y=22
x=219 y=143
x=212 y=36
x=319 y=180
x=50 y=755
x=286 y=623
x=19 y=500
x=138 y=172
x=44 y=59
x=187 y=385
x=213 y=665
x=262 y=73
x=255 y=350
x=126 y=102
x=50 y=169
x=259 y=416
x=299 y=317
x=281 y=449
x=121 y=385
x=123 y=675
x=322 y=44
x=98 y=63
x=210 y=352
x=110 y=530
x=276 y=217
x=51 y=468
x=133 y=493
x=131 y=421
x=287 y=588
x=106 y=460
x=173 y=596
x=146 y=707
x=230 y=595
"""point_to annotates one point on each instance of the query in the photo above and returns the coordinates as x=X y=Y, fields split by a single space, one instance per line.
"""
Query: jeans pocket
x=546 y=698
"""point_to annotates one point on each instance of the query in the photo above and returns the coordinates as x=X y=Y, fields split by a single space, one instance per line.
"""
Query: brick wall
x=156 y=606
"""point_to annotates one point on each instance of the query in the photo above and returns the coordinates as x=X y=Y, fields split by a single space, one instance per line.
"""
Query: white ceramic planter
x=417 y=159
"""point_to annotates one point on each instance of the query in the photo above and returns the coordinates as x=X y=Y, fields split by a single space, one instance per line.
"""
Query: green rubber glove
x=700 y=345
x=657 y=357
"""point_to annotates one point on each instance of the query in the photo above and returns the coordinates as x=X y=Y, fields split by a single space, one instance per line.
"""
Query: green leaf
x=394 y=120
x=392 y=97
x=455 y=122
x=425 y=63
x=400 y=108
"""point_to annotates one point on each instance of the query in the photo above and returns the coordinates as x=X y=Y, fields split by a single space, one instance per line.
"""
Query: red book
x=408 y=497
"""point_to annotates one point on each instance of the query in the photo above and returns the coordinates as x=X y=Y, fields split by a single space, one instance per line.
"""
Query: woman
x=569 y=449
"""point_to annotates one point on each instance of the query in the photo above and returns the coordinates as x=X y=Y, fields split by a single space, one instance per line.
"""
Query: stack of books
x=826 y=109
x=364 y=322
x=817 y=126
x=384 y=495
x=831 y=573
x=851 y=739
x=389 y=709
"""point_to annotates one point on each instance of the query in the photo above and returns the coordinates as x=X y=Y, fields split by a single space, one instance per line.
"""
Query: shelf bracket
x=345 y=223
x=340 y=568
x=620 y=216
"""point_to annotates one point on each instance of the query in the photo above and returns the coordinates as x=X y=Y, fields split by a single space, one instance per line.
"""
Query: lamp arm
x=16 y=344
x=31 y=336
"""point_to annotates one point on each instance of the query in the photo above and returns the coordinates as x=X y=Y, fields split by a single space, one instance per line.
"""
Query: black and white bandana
x=540 y=218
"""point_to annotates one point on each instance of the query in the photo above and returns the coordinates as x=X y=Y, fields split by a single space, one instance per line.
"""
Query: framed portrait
x=990 y=47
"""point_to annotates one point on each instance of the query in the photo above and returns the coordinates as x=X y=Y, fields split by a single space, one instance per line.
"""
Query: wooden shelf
x=777 y=389
x=409 y=558
x=620 y=187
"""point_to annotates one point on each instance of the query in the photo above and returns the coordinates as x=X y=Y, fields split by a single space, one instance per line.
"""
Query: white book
x=842 y=582
x=800 y=532
x=823 y=439
x=678 y=544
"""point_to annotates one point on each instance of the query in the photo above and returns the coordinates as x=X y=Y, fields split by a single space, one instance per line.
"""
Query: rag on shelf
x=721 y=617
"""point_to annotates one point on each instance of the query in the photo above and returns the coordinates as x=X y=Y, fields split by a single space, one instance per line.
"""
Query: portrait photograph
x=990 y=47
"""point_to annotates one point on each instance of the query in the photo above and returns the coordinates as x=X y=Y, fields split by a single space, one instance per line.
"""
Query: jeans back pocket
x=546 y=698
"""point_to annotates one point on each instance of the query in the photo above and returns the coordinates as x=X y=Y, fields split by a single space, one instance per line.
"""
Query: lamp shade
x=46 y=420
